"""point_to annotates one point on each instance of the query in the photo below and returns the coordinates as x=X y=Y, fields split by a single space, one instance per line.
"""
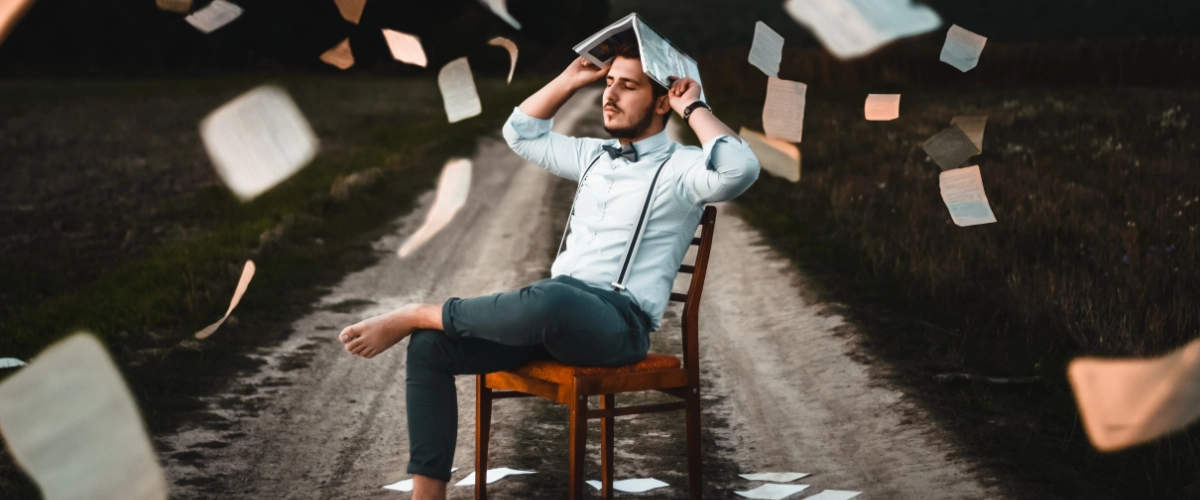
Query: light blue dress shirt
x=611 y=199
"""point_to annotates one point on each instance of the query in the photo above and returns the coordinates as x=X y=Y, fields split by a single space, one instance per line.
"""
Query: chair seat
x=559 y=373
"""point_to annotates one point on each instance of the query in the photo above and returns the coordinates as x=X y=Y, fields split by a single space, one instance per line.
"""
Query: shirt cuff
x=521 y=125
x=712 y=144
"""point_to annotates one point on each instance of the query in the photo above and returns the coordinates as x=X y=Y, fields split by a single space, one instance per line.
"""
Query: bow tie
x=627 y=151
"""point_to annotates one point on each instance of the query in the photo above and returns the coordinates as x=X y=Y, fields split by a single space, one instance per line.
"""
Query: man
x=586 y=314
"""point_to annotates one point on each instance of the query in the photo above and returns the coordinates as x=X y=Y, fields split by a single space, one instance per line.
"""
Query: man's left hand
x=683 y=92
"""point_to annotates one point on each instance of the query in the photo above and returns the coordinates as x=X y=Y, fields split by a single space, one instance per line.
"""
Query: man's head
x=633 y=103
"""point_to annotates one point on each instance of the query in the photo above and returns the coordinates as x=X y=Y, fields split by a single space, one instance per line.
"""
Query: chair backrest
x=691 y=300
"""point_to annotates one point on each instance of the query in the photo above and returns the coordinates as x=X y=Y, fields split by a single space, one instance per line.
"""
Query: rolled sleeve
x=726 y=170
x=558 y=154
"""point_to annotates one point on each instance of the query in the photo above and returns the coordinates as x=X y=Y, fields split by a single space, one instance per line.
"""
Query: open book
x=660 y=58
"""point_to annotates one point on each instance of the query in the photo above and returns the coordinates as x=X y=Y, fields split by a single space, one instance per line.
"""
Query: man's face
x=628 y=99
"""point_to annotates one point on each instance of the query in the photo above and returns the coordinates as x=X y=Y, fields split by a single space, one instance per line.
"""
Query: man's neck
x=649 y=132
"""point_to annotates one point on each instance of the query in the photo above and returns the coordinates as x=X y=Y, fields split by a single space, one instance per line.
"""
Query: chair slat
x=678 y=297
x=685 y=268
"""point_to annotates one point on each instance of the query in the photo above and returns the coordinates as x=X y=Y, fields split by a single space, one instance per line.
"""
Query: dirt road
x=783 y=393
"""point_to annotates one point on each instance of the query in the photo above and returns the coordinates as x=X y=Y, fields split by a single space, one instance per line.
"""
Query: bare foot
x=428 y=488
x=372 y=336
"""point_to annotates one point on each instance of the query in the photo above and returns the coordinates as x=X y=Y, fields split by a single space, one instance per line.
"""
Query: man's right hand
x=582 y=73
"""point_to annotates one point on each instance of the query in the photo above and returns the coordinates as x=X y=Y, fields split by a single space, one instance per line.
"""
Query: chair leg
x=606 y=447
x=483 y=427
x=695 y=481
x=578 y=444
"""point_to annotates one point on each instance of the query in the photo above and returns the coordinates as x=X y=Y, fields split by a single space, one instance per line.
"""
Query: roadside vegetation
x=115 y=222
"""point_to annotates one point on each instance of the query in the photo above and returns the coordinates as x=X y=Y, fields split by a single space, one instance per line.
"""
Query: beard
x=636 y=129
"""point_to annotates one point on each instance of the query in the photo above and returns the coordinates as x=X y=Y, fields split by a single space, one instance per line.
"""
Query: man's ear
x=663 y=105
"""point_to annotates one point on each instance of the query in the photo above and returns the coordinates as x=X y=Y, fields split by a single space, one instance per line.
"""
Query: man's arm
x=729 y=167
x=528 y=129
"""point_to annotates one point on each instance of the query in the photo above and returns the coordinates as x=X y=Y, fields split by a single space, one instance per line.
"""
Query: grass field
x=114 y=222
x=1095 y=252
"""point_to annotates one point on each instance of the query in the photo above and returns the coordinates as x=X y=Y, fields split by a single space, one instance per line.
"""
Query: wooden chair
x=571 y=385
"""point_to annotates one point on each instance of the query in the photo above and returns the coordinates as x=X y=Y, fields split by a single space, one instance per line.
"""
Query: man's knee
x=429 y=348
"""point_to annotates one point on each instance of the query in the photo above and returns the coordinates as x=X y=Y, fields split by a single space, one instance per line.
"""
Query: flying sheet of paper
x=882 y=107
x=453 y=187
x=950 y=148
x=852 y=28
x=405 y=48
x=215 y=15
x=774 y=477
x=962 y=191
x=500 y=8
x=962 y=48
x=178 y=6
x=772 y=491
x=779 y=158
x=493 y=475
x=631 y=485
x=71 y=423
x=512 y=53
x=458 y=90
x=767 y=49
x=351 y=9
x=407 y=484
x=1124 y=402
x=783 y=112
x=243 y=282
x=11 y=363
x=11 y=12
x=257 y=140
x=973 y=127
x=834 y=495
x=339 y=56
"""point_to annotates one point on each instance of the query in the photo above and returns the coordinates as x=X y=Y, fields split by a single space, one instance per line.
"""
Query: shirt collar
x=648 y=145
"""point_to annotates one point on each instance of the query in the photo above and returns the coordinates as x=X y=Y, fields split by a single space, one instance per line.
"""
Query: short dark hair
x=627 y=47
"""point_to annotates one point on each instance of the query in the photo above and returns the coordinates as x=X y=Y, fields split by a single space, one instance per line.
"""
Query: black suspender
x=631 y=247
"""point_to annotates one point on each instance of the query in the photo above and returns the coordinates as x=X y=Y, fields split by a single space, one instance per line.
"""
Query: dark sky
x=79 y=37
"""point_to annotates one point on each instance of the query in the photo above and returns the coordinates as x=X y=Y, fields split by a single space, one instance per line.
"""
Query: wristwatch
x=687 y=112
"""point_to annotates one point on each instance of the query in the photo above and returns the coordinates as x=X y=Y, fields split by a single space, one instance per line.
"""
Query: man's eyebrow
x=623 y=79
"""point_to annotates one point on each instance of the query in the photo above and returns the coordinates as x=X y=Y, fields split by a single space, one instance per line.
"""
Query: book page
x=458 y=90
x=257 y=140
x=767 y=50
x=962 y=48
x=351 y=10
x=500 y=8
x=405 y=48
x=661 y=60
x=215 y=15
x=783 y=111
x=882 y=107
x=950 y=148
x=340 y=56
x=972 y=126
x=71 y=423
x=962 y=191
x=853 y=28
x=11 y=11
x=177 y=6
x=512 y=53
x=598 y=47
x=779 y=158
x=243 y=284
x=453 y=187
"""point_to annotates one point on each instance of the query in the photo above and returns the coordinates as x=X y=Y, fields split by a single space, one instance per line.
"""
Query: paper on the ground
x=215 y=15
x=453 y=187
x=11 y=363
x=512 y=53
x=660 y=58
x=1124 y=402
x=493 y=475
x=774 y=477
x=11 y=12
x=772 y=491
x=339 y=56
x=631 y=485
x=783 y=111
x=852 y=28
x=972 y=126
x=962 y=191
x=405 y=48
x=962 y=48
x=950 y=148
x=71 y=423
x=458 y=90
x=243 y=283
x=882 y=107
x=779 y=158
x=257 y=140
x=500 y=8
x=834 y=495
x=405 y=485
x=351 y=10
x=766 y=50
x=178 y=6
